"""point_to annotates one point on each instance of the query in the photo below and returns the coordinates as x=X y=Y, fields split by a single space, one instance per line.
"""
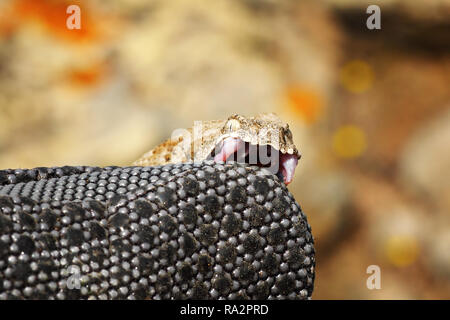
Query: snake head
x=264 y=141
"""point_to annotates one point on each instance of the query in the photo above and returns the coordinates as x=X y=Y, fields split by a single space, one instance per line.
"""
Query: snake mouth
x=235 y=149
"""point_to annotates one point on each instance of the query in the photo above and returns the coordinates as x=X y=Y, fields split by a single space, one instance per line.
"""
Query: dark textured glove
x=187 y=231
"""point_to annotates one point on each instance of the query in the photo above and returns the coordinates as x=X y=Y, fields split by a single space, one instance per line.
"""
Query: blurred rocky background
x=369 y=110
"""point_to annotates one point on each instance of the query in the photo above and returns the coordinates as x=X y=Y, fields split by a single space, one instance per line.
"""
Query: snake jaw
x=288 y=163
x=235 y=149
x=229 y=146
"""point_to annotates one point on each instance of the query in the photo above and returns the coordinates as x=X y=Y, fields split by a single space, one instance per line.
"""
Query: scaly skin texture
x=197 y=143
x=202 y=231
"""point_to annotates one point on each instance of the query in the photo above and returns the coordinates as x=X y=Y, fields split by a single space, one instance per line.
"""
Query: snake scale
x=181 y=231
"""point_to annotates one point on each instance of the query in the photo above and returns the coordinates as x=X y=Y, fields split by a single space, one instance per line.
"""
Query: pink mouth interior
x=237 y=150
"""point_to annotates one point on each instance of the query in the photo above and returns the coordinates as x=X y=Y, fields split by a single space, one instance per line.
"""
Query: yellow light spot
x=357 y=76
x=349 y=142
x=402 y=250
x=306 y=102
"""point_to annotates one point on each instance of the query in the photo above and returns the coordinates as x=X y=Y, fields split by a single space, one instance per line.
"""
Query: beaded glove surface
x=186 y=231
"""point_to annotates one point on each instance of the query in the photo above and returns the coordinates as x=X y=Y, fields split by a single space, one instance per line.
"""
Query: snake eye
x=232 y=125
